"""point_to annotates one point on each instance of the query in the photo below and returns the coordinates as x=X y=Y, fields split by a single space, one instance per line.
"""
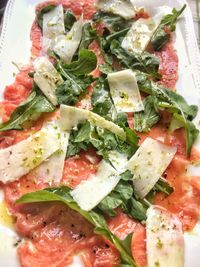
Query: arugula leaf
x=137 y=209
x=62 y=194
x=167 y=98
x=146 y=62
x=144 y=120
x=29 y=110
x=88 y=36
x=161 y=35
x=123 y=196
x=113 y=22
x=85 y=64
x=101 y=139
x=43 y=11
x=69 y=92
x=163 y=186
x=101 y=100
x=69 y=19
x=175 y=104
x=191 y=131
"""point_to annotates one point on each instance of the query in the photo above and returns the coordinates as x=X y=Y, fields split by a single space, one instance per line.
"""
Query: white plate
x=15 y=47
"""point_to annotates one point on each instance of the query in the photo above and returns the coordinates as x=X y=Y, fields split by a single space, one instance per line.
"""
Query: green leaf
x=106 y=68
x=69 y=92
x=127 y=242
x=113 y=22
x=163 y=186
x=109 y=203
x=101 y=100
x=62 y=194
x=174 y=103
x=167 y=98
x=161 y=36
x=127 y=176
x=69 y=19
x=137 y=209
x=30 y=110
x=191 y=131
x=88 y=36
x=144 y=120
x=146 y=62
x=43 y=11
x=85 y=64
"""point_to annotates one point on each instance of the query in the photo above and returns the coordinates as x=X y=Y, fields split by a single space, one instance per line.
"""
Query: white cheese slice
x=165 y=241
x=51 y=170
x=123 y=8
x=88 y=194
x=70 y=117
x=47 y=78
x=118 y=160
x=20 y=159
x=124 y=91
x=66 y=45
x=148 y=164
x=140 y=34
x=53 y=26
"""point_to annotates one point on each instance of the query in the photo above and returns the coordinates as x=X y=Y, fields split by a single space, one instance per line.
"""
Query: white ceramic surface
x=15 y=47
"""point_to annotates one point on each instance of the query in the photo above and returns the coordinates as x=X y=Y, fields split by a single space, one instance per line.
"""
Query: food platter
x=15 y=46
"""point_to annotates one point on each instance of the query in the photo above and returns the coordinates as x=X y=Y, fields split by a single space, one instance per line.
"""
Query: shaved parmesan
x=23 y=157
x=165 y=242
x=51 y=170
x=66 y=45
x=124 y=91
x=88 y=194
x=140 y=34
x=118 y=160
x=53 y=26
x=70 y=117
x=47 y=78
x=148 y=164
x=123 y=8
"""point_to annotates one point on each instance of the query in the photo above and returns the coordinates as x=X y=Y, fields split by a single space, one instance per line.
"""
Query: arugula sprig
x=76 y=77
x=28 y=111
x=175 y=104
x=102 y=140
x=62 y=194
x=102 y=101
x=123 y=197
x=144 y=120
x=146 y=62
x=114 y=23
x=162 y=35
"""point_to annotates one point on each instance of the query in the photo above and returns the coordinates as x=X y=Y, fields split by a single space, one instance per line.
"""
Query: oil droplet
x=5 y=218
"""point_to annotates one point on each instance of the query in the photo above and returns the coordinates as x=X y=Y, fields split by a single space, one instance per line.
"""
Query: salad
x=95 y=142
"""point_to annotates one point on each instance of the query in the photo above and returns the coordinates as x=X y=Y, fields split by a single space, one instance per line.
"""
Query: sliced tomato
x=80 y=167
x=138 y=245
